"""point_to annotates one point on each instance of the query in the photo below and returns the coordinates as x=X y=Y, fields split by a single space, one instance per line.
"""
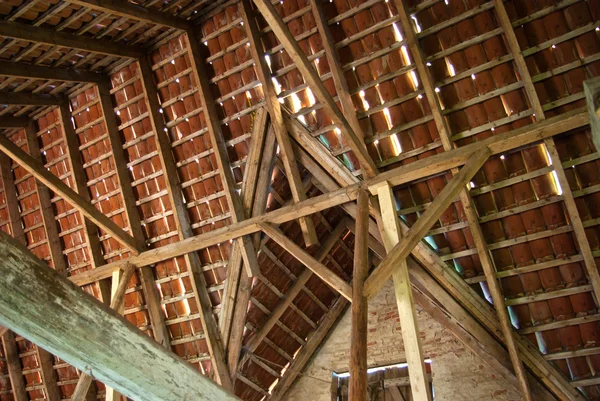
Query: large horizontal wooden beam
x=13 y=122
x=29 y=99
x=20 y=70
x=37 y=169
x=422 y=168
x=51 y=37
x=139 y=13
x=48 y=310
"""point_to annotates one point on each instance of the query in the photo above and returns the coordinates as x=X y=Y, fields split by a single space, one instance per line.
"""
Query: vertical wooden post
x=404 y=299
x=358 y=338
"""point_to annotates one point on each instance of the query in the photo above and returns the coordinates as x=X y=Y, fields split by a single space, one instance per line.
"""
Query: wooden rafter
x=119 y=355
x=324 y=273
x=183 y=225
x=51 y=37
x=294 y=51
x=218 y=143
x=21 y=70
x=424 y=223
x=35 y=167
x=12 y=202
x=46 y=207
x=133 y=11
x=15 y=369
x=445 y=161
x=13 y=122
x=286 y=152
x=48 y=374
x=29 y=99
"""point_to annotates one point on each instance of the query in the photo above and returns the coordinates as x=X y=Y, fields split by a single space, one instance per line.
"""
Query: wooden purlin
x=184 y=229
x=218 y=143
x=21 y=70
x=50 y=226
x=286 y=152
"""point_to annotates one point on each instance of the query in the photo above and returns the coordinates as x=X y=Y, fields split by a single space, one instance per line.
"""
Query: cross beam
x=20 y=70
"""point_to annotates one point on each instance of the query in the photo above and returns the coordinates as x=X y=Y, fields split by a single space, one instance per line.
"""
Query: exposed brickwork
x=458 y=374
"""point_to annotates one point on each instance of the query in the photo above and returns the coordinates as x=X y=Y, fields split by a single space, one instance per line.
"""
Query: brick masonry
x=458 y=374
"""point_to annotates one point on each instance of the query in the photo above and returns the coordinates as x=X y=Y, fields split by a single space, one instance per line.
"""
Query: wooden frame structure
x=391 y=240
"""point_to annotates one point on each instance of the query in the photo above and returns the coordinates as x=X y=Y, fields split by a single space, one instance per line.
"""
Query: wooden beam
x=121 y=170
x=436 y=164
x=13 y=122
x=29 y=99
x=155 y=312
x=48 y=374
x=15 y=369
x=46 y=207
x=218 y=143
x=286 y=152
x=35 y=167
x=20 y=70
x=358 y=336
x=12 y=201
x=61 y=321
x=184 y=227
x=424 y=223
x=307 y=351
x=324 y=273
x=133 y=11
x=51 y=37
x=118 y=288
x=294 y=51
x=392 y=236
x=294 y=290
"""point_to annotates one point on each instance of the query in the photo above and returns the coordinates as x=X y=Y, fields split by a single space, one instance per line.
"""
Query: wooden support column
x=310 y=75
x=286 y=151
x=35 y=167
x=46 y=208
x=12 y=202
x=358 y=337
x=324 y=273
x=404 y=297
x=184 y=228
x=218 y=143
x=15 y=369
x=61 y=321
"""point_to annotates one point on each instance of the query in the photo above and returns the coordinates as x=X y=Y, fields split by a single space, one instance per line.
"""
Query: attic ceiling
x=144 y=143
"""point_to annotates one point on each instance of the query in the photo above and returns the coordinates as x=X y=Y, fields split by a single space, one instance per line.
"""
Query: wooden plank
x=358 y=336
x=286 y=152
x=35 y=167
x=424 y=223
x=294 y=290
x=118 y=354
x=20 y=70
x=216 y=137
x=51 y=37
x=13 y=122
x=118 y=288
x=15 y=369
x=298 y=57
x=29 y=99
x=184 y=227
x=133 y=11
x=46 y=207
x=324 y=273
x=392 y=235
x=303 y=357
x=417 y=170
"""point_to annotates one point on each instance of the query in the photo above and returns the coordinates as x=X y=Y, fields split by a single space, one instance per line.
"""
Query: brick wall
x=458 y=374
